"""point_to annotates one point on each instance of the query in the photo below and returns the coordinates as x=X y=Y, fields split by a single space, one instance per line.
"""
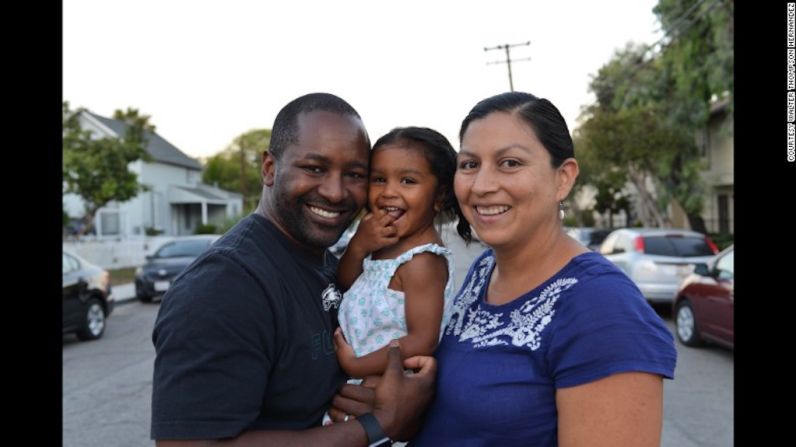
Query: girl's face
x=403 y=185
x=505 y=183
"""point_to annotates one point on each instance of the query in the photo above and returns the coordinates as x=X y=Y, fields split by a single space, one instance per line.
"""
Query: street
x=107 y=383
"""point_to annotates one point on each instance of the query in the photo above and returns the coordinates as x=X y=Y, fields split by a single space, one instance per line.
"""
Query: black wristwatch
x=373 y=430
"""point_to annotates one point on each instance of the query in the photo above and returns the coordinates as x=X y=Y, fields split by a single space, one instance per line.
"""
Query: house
x=717 y=147
x=177 y=201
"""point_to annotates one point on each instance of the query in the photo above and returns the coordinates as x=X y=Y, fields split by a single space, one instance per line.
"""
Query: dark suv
x=155 y=277
x=87 y=298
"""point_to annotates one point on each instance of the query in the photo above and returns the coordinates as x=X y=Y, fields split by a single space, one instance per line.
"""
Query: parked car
x=87 y=301
x=589 y=236
x=704 y=308
x=170 y=259
x=657 y=259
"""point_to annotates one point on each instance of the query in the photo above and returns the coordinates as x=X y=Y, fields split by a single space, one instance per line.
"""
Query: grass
x=122 y=276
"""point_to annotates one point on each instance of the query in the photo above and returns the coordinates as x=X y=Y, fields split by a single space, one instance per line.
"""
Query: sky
x=206 y=71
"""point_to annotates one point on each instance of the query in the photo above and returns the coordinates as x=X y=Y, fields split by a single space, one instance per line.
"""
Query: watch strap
x=376 y=435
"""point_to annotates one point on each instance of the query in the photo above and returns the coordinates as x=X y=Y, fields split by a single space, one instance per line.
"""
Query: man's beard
x=292 y=214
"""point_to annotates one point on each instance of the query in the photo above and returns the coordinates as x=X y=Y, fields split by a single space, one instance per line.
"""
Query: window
x=109 y=223
x=182 y=248
x=684 y=246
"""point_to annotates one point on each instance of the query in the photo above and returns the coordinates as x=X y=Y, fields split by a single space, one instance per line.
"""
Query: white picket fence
x=115 y=253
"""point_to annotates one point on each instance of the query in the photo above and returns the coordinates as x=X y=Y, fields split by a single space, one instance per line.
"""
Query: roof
x=161 y=150
x=202 y=193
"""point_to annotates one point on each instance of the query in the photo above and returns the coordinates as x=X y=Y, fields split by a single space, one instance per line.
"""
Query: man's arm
x=349 y=433
x=398 y=404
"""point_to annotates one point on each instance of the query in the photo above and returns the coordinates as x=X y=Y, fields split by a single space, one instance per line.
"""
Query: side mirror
x=701 y=269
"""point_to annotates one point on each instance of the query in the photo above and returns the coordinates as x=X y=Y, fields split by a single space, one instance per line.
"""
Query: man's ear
x=268 y=169
x=566 y=175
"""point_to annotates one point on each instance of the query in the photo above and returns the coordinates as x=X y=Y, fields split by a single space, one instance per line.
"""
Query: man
x=244 y=335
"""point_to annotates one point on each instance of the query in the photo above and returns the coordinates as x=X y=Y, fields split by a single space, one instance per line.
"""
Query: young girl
x=398 y=274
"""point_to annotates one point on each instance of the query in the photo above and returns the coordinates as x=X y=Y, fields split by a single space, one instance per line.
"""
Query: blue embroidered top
x=500 y=365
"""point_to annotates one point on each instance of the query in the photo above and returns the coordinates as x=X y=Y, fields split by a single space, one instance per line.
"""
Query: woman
x=549 y=343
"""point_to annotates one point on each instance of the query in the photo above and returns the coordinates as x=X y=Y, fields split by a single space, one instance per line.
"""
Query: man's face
x=320 y=182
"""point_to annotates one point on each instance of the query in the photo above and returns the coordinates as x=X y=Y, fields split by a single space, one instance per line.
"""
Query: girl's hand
x=345 y=353
x=375 y=232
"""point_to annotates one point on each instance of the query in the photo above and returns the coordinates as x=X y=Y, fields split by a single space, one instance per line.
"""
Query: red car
x=704 y=308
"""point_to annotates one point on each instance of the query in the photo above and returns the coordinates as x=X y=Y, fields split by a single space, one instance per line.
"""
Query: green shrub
x=152 y=231
x=206 y=229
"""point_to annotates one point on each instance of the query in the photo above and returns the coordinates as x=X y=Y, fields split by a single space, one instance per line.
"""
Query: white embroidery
x=484 y=328
x=331 y=297
x=468 y=295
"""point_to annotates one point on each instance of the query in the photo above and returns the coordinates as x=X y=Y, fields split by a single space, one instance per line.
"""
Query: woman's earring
x=561 y=212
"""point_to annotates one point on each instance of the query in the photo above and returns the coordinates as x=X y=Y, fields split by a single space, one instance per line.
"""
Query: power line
x=508 y=57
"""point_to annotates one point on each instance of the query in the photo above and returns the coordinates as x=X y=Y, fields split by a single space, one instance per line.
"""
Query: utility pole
x=508 y=57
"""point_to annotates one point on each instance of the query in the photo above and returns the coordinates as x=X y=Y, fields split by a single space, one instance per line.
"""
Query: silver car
x=657 y=259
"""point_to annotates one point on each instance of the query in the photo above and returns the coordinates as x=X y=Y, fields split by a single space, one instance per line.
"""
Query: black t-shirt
x=244 y=339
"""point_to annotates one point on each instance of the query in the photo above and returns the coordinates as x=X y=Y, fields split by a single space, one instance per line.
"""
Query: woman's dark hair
x=540 y=114
x=441 y=159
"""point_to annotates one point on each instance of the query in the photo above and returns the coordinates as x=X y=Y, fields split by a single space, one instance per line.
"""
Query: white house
x=717 y=145
x=177 y=201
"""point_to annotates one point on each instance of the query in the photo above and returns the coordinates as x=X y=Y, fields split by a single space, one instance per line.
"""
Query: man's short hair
x=285 y=129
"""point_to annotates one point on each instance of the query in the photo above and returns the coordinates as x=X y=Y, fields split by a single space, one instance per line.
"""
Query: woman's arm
x=621 y=409
x=423 y=281
x=372 y=234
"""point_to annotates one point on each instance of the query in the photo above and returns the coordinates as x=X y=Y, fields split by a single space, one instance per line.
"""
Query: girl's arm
x=423 y=281
x=372 y=234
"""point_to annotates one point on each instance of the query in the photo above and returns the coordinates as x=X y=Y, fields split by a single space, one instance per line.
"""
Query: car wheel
x=94 y=324
x=685 y=325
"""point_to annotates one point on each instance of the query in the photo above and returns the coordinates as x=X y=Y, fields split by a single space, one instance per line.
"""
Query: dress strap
x=430 y=247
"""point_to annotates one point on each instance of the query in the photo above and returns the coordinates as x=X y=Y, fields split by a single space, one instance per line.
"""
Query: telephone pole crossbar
x=508 y=57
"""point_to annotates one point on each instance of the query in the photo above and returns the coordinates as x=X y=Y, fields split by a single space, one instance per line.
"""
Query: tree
x=699 y=60
x=96 y=168
x=237 y=167
x=633 y=128
x=698 y=55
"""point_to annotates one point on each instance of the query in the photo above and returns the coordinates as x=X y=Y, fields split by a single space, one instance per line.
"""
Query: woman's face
x=505 y=183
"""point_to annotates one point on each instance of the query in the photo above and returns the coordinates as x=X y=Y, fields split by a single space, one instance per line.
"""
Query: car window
x=182 y=248
x=726 y=266
x=597 y=236
x=683 y=246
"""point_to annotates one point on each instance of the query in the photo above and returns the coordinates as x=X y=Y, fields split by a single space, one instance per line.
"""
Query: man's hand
x=402 y=399
x=397 y=399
